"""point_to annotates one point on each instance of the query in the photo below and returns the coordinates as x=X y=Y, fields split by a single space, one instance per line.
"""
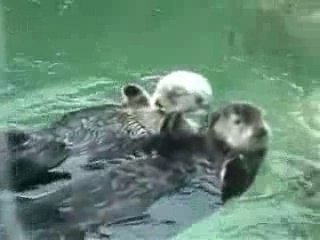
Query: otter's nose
x=261 y=132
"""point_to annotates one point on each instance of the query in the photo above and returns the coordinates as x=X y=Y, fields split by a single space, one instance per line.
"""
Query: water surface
x=64 y=55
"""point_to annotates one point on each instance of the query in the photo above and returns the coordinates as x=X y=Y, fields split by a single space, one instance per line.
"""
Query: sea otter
x=87 y=131
x=167 y=162
x=183 y=91
x=239 y=136
x=139 y=114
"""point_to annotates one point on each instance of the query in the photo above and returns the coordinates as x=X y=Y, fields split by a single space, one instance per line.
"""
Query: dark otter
x=238 y=136
x=166 y=163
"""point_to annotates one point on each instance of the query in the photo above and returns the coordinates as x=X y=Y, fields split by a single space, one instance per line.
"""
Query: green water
x=64 y=55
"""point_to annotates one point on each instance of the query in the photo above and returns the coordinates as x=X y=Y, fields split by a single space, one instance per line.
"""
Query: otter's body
x=88 y=134
x=231 y=174
x=113 y=129
x=166 y=164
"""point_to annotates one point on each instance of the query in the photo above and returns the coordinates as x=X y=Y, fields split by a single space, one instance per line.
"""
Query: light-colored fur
x=184 y=91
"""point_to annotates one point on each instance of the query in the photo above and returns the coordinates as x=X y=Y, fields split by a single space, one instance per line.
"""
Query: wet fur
x=149 y=177
x=145 y=180
x=241 y=173
x=27 y=161
x=113 y=129
x=83 y=131
x=89 y=133
x=242 y=170
x=177 y=147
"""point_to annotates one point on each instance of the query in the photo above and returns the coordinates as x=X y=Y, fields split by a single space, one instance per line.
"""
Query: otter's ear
x=17 y=138
x=172 y=122
x=213 y=118
x=134 y=94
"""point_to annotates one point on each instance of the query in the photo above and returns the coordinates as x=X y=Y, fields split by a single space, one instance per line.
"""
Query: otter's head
x=182 y=91
x=241 y=126
x=138 y=104
x=244 y=132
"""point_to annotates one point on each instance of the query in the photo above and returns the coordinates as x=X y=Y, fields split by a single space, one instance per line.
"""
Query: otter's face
x=182 y=91
x=138 y=103
x=179 y=99
x=241 y=126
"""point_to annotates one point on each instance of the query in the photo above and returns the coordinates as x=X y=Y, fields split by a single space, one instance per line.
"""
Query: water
x=64 y=55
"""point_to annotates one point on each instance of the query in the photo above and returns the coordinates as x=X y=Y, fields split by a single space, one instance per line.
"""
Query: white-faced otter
x=184 y=91
x=137 y=116
x=167 y=162
x=88 y=129
x=111 y=130
x=178 y=91
x=93 y=132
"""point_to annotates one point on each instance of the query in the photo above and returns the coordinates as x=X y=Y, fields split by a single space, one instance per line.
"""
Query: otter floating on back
x=182 y=91
x=93 y=131
x=239 y=136
x=178 y=91
x=168 y=161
